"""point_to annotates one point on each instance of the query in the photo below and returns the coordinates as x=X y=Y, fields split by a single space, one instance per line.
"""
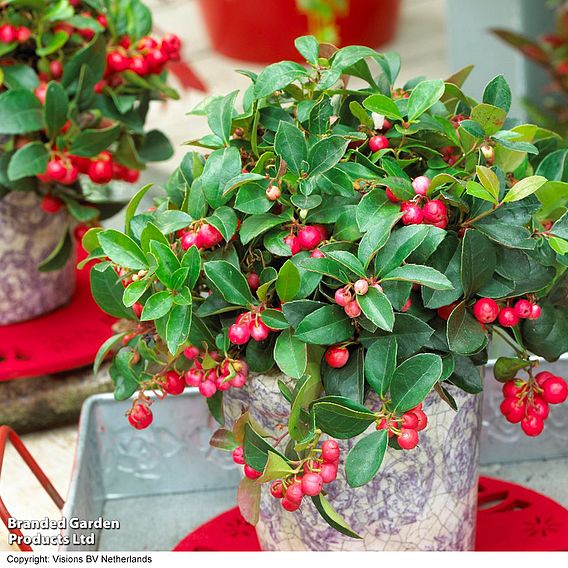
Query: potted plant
x=329 y=277
x=263 y=31
x=76 y=82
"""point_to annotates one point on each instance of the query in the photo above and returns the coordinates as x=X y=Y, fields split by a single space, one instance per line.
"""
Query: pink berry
x=312 y=484
x=100 y=171
x=8 y=33
x=239 y=334
x=51 y=204
x=239 y=455
x=523 y=308
x=411 y=214
x=191 y=352
x=309 y=237
x=508 y=317
x=174 y=383
x=207 y=388
x=259 y=330
x=328 y=472
x=194 y=377
x=361 y=287
x=140 y=416
x=239 y=380
x=422 y=419
x=485 y=310
x=190 y=239
x=251 y=473
x=342 y=297
x=532 y=425
x=317 y=253
x=277 y=490
x=408 y=438
x=292 y=242
x=290 y=505
x=209 y=236
x=536 y=310
x=378 y=142
x=352 y=309
x=56 y=170
x=330 y=451
x=337 y=357
x=23 y=34
x=409 y=421
x=391 y=196
x=273 y=193
x=554 y=390
x=421 y=185
x=434 y=211
x=295 y=492
x=253 y=280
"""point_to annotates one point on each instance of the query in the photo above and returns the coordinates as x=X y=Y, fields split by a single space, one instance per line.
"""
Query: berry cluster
x=210 y=373
x=487 y=310
x=344 y=296
x=203 y=236
x=308 y=237
x=148 y=56
x=248 y=325
x=10 y=33
x=527 y=401
x=315 y=472
x=406 y=427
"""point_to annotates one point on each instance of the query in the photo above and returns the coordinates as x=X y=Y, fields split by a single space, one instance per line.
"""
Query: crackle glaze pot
x=424 y=499
x=27 y=236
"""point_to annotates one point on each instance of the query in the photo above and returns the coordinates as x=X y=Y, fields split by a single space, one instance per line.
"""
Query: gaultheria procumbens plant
x=363 y=239
x=76 y=81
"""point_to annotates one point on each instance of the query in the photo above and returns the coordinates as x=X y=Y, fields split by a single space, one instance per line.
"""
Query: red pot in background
x=263 y=31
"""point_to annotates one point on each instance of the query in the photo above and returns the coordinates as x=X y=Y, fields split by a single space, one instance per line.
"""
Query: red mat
x=509 y=518
x=64 y=339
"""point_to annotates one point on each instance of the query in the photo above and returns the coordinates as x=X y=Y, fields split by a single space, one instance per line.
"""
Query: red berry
x=411 y=214
x=56 y=69
x=421 y=185
x=207 y=388
x=532 y=425
x=277 y=490
x=445 y=311
x=253 y=280
x=523 y=308
x=378 y=142
x=422 y=419
x=130 y=176
x=56 y=169
x=140 y=416
x=71 y=175
x=542 y=377
x=102 y=20
x=485 y=310
x=190 y=239
x=536 y=310
x=239 y=455
x=312 y=484
x=391 y=196
x=508 y=317
x=337 y=357
x=409 y=420
x=8 y=33
x=328 y=472
x=174 y=383
x=510 y=389
x=137 y=309
x=100 y=171
x=408 y=438
x=361 y=287
x=239 y=380
x=51 y=204
x=273 y=193
x=295 y=493
x=330 y=451
x=309 y=237
x=194 y=377
x=352 y=309
x=23 y=34
x=554 y=390
x=293 y=243
x=156 y=59
x=251 y=473
x=407 y=305
x=513 y=409
x=191 y=352
x=538 y=408
x=435 y=211
x=259 y=330
x=342 y=297
x=239 y=334
x=139 y=65
x=117 y=62
x=209 y=236
x=290 y=505
x=41 y=92
x=317 y=253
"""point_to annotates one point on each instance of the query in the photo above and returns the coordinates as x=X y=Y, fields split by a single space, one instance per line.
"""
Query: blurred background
x=434 y=38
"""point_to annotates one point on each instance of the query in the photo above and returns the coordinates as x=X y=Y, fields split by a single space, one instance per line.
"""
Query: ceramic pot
x=423 y=499
x=27 y=236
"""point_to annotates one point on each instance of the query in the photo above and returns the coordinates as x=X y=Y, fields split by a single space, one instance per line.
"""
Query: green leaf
x=20 y=77
x=288 y=281
x=29 y=160
x=291 y=354
x=491 y=118
x=177 y=327
x=375 y=305
x=524 y=188
x=157 y=306
x=380 y=364
x=59 y=256
x=331 y=516
x=224 y=440
x=192 y=260
x=154 y=147
x=489 y=180
x=131 y=211
x=325 y=326
x=220 y=115
x=465 y=334
x=560 y=228
x=308 y=47
x=121 y=249
x=290 y=145
x=91 y=142
x=134 y=291
x=478 y=260
x=277 y=76
x=167 y=263
x=424 y=96
x=123 y=375
x=276 y=468
x=20 y=112
x=252 y=199
x=381 y=104
x=423 y=275
x=365 y=458
x=109 y=345
x=498 y=93
x=466 y=375
x=256 y=449
x=56 y=108
x=342 y=418
x=274 y=319
x=107 y=291
x=225 y=221
x=220 y=167
x=256 y=225
x=547 y=336
x=477 y=190
x=347 y=260
x=230 y=282
x=506 y=368
x=399 y=246
x=326 y=153
x=413 y=380
x=307 y=390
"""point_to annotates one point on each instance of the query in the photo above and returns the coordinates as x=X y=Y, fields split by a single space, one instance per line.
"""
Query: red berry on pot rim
x=532 y=425
x=251 y=473
x=407 y=439
x=508 y=317
x=523 y=308
x=352 y=309
x=239 y=455
x=140 y=416
x=330 y=451
x=174 y=383
x=554 y=390
x=337 y=357
x=421 y=185
x=312 y=484
x=378 y=142
x=485 y=310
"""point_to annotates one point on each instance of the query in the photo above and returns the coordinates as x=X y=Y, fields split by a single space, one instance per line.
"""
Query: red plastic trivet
x=64 y=339
x=509 y=518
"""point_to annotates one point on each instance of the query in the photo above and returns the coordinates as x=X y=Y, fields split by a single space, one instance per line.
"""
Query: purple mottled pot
x=424 y=499
x=27 y=236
